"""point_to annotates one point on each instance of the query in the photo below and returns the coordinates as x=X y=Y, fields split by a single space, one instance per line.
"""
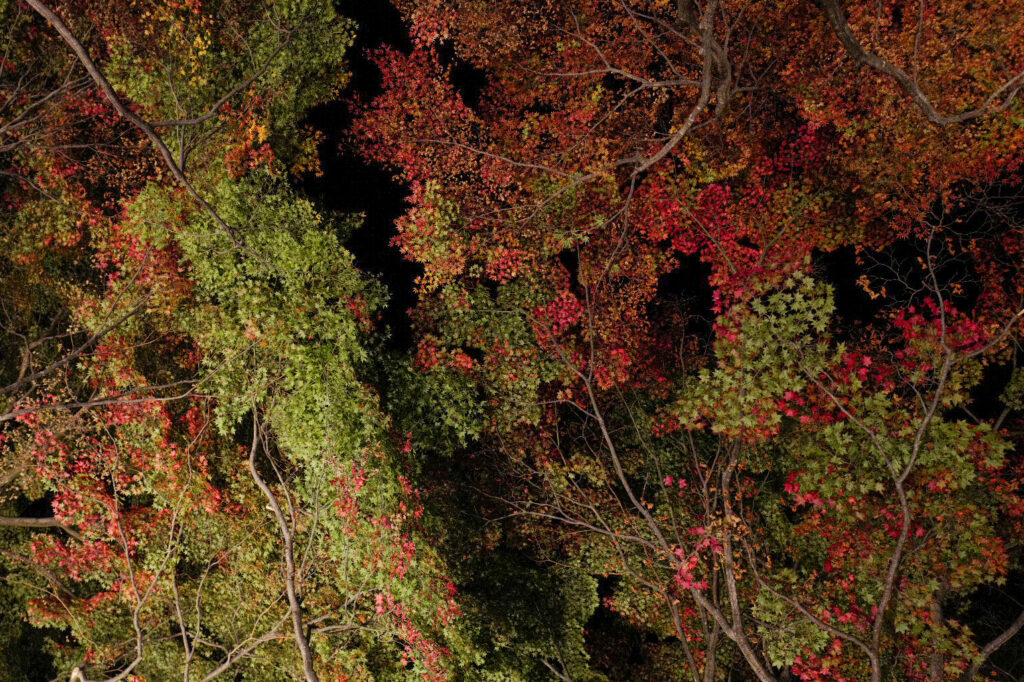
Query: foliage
x=715 y=365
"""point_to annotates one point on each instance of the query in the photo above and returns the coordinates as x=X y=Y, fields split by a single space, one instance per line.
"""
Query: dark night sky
x=352 y=185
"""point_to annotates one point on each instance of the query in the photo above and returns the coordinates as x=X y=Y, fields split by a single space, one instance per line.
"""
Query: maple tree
x=183 y=268
x=720 y=467
x=715 y=350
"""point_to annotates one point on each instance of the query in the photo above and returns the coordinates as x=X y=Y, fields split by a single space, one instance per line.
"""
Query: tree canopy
x=711 y=370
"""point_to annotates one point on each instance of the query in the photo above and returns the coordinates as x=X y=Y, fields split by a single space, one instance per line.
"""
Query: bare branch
x=993 y=646
x=287 y=538
x=39 y=522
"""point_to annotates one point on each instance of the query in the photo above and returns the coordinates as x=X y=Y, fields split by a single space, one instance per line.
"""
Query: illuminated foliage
x=715 y=353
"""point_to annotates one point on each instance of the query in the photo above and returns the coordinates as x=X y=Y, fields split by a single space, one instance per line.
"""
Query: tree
x=715 y=364
x=215 y=311
x=611 y=146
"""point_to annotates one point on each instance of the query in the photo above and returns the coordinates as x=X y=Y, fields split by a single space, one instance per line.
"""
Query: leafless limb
x=39 y=522
x=993 y=646
x=287 y=538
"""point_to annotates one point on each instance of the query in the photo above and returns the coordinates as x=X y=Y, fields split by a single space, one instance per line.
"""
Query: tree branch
x=990 y=648
x=97 y=75
x=38 y=522
x=292 y=592
x=908 y=84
